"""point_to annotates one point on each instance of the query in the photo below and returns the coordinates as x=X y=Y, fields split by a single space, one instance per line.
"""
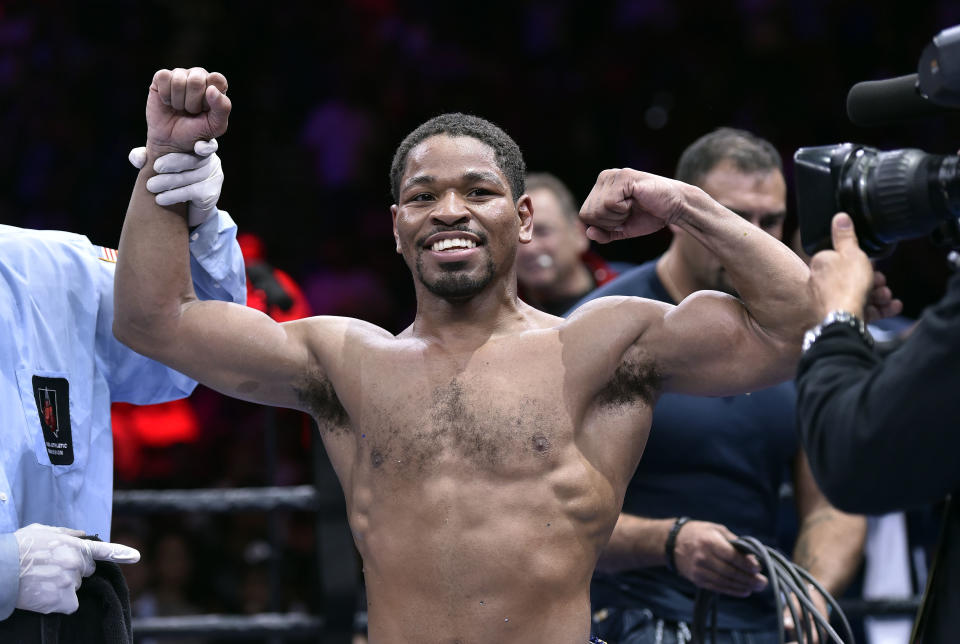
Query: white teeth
x=457 y=243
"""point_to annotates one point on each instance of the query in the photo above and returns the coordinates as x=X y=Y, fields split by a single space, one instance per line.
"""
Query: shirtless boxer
x=484 y=451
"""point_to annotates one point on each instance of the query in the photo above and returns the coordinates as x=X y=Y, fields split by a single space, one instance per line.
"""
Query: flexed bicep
x=710 y=345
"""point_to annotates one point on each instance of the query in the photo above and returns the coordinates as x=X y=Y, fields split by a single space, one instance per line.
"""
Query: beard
x=454 y=284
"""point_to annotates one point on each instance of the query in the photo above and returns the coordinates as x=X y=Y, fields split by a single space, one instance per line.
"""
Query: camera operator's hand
x=843 y=278
x=880 y=301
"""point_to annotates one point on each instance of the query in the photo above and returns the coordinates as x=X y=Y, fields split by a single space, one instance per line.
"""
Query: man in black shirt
x=882 y=434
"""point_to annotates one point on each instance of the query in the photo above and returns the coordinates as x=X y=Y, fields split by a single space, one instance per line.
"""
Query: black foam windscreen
x=884 y=101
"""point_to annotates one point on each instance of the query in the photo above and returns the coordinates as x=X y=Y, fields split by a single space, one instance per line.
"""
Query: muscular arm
x=217 y=272
x=711 y=343
x=232 y=348
x=830 y=543
x=719 y=342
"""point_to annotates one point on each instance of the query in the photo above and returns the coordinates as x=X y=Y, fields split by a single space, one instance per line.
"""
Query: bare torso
x=482 y=484
x=484 y=453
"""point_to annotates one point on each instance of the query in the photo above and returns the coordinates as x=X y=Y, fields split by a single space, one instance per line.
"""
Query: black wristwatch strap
x=671 y=543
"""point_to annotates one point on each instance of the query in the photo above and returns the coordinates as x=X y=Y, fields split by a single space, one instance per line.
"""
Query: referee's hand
x=54 y=561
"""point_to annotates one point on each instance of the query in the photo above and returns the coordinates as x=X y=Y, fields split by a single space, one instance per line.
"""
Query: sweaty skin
x=484 y=451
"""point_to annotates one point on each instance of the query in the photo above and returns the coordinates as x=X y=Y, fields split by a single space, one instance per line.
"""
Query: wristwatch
x=838 y=316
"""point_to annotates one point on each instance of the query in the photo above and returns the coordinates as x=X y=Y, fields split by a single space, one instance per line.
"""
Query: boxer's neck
x=471 y=321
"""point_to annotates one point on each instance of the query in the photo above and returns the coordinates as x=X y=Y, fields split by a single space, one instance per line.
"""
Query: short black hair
x=547 y=181
x=506 y=151
x=747 y=151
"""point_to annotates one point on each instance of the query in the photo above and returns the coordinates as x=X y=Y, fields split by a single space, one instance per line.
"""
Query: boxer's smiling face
x=456 y=223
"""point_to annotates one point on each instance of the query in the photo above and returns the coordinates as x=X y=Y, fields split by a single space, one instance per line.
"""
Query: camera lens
x=898 y=194
x=891 y=196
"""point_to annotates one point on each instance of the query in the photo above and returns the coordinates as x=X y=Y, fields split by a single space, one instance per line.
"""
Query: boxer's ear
x=396 y=236
x=525 y=213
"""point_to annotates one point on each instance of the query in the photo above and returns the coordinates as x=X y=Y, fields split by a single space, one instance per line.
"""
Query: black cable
x=799 y=589
x=793 y=577
x=820 y=589
x=787 y=580
x=705 y=602
x=794 y=585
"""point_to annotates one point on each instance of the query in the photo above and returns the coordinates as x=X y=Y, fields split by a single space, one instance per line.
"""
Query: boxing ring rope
x=302 y=498
x=275 y=625
x=881 y=606
x=225 y=500
x=231 y=627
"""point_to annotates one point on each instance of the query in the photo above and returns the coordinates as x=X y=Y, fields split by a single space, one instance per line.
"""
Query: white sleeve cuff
x=9 y=574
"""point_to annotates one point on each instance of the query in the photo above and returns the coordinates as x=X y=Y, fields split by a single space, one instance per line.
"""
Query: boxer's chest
x=495 y=409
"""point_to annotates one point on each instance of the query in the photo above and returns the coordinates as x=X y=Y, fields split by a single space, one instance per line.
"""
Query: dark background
x=322 y=95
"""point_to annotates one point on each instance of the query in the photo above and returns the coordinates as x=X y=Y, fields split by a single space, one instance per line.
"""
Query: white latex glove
x=194 y=178
x=53 y=562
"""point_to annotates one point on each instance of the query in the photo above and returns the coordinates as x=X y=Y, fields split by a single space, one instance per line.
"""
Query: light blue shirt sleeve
x=218 y=274
x=9 y=574
x=215 y=260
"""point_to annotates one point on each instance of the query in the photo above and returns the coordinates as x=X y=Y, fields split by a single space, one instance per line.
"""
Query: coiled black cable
x=787 y=580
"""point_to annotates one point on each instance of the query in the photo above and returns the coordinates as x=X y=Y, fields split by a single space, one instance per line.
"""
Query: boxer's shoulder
x=617 y=311
x=334 y=331
x=613 y=324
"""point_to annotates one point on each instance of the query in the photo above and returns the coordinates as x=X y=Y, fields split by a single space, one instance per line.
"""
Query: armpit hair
x=317 y=395
x=635 y=381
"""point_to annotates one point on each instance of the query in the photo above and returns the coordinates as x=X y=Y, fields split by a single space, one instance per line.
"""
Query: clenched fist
x=185 y=106
x=628 y=203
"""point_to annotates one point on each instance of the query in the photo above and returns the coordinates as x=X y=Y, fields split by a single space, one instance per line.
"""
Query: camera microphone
x=934 y=89
x=884 y=101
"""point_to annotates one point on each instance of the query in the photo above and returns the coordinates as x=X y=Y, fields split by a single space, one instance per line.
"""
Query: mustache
x=459 y=228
